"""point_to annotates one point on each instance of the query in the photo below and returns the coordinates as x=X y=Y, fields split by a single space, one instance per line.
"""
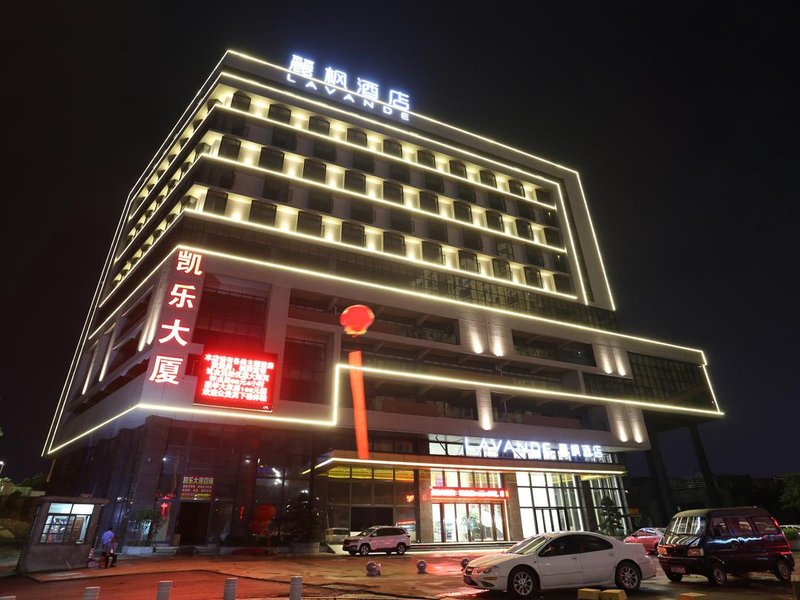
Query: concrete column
x=513 y=516
x=483 y=398
x=708 y=476
x=425 y=523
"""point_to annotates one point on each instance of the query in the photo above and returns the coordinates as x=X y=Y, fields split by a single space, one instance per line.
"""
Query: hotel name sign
x=533 y=450
x=358 y=91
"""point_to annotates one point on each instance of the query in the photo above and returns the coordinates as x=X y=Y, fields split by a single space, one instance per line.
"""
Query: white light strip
x=236 y=414
x=88 y=431
x=575 y=254
x=596 y=244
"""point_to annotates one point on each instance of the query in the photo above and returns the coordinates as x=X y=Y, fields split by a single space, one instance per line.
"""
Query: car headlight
x=694 y=552
x=487 y=570
x=662 y=551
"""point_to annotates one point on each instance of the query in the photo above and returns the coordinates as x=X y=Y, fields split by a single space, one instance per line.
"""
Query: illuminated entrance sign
x=455 y=494
x=365 y=95
x=196 y=488
x=236 y=381
x=530 y=450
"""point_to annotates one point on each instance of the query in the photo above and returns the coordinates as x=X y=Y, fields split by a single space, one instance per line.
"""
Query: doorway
x=192 y=522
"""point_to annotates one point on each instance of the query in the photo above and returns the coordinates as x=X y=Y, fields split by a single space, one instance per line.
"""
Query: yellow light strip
x=596 y=243
x=451 y=466
x=535 y=391
x=572 y=245
x=87 y=432
x=236 y=414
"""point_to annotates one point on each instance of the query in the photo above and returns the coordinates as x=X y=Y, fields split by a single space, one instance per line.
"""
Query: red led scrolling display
x=230 y=380
x=443 y=494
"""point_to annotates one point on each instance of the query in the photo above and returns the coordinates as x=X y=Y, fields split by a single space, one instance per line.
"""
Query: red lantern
x=356 y=319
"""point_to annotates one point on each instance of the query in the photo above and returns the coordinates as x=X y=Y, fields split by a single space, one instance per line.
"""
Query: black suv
x=716 y=541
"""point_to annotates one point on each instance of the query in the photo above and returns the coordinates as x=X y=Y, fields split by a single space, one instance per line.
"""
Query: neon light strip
x=88 y=431
x=572 y=245
x=533 y=391
x=596 y=244
x=238 y=414
x=451 y=466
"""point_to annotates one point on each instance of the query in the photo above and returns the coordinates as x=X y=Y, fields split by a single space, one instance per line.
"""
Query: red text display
x=443 y=494
x=236 y=381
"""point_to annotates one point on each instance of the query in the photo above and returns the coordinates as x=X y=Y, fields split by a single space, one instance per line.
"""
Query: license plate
x=678 y=569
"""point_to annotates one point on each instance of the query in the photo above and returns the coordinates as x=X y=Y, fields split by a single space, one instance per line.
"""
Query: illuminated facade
x=211 y=380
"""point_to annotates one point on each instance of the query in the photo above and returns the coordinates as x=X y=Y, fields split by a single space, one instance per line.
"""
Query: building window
x=279 y=113
x=504 y=248
x=533 y=276
x=433 y=182
x=229 y=148
x=310 y=224
x=488 y=178
x=271 y=159
x=240 y=101
x=534 y=256
x=319 y=125
x=516 y=188
x=563 y=283
x=304 y=371
x=525 y=210
x=437 y=230
x=399 y=172
x=544 y=196
x=550 y=218
x=231 y=318
x=432 y=252
x=524 y=229
x=462 y=212
x=66 y=523
x=215 y=203
x=394 y=243
x=472 y=239
x=465 y=192
x=401 y=220
x=217 y=175
x=458 y=168
x=284 y=138
x=275 y=189
x=324 y=150
x=494 y=220
x=496 y=201
x=553 y=237
x=467 y=261
x=262 y=212
x=429 y=202
x=361 y=210
x=314 y=170
x=393 y=148
x=426 y=158
x=355 y=182
x=353 y=233
x=320 y=201
x=501 y=268
x=393 y=191
x=363 y=162
x=561 y=263
x=356 y=136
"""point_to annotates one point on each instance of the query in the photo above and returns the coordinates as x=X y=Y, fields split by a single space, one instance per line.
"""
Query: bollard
x=91 y=593
x=421 y=565
x=373 y=569
x=464 y=563
x=164 y=590
x=230 y=589
x=296 y=588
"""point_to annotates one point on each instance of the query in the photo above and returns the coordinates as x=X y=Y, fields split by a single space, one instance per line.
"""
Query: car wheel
x=401 y=549
x=674 y=577
x=522 y=583
x=351 y=552
x=363 y=549
x=782 y=570
x=628 y=576
x=717 y=575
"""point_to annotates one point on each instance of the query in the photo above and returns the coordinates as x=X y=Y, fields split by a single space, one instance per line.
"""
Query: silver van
x=380 y=538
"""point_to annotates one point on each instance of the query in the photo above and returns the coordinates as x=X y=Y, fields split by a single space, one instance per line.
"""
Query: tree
x=610 y=518
x=791 y=491
x=302 y=522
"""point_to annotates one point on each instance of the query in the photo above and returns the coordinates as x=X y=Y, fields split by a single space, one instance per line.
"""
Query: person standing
x=109 y=540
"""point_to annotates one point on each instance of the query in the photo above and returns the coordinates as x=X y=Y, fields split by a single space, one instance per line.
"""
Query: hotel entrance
x=468 y=507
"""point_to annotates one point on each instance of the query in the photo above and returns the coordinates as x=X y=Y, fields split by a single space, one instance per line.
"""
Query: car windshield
x=687 y=525
x=529 y=545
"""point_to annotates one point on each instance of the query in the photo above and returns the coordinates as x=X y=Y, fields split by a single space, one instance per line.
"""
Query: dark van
x=716 y=541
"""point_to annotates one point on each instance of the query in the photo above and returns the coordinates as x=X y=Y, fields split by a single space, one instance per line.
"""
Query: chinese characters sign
x=197 y=488
x=176 y=321
x=442 y=494
x=529 y=450
x=236 y=381
x=357 y=91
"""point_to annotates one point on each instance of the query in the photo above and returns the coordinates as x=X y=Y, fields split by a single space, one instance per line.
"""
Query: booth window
x=66 y=523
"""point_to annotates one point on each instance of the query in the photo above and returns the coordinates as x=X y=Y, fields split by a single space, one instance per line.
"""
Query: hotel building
x=211 y=381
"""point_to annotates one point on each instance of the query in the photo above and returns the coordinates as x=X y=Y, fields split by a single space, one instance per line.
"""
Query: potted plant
x=303 y=525
x=610 y=518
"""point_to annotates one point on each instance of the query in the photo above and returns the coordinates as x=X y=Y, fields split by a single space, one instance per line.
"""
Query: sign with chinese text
x=444 y=494
x=531 y=450
x=358 y=91
x=197 y=488
x=236 y=381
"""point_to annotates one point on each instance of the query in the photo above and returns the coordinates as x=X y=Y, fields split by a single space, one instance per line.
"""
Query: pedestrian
x=109 y=541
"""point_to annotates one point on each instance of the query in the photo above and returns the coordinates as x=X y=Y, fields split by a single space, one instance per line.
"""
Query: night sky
x=682 y=120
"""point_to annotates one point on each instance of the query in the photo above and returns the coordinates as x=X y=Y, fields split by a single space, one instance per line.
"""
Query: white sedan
x=562 y=560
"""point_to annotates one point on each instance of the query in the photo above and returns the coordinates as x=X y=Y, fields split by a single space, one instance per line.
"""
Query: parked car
x=561 y=560
x=649 y=537
x=336 y=535
x=716 y=541
x=380 y=538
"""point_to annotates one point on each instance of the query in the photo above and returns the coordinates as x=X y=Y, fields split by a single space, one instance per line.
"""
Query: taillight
x=662 y=551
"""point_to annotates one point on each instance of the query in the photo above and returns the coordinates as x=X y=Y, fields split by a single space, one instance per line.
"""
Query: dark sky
x=681 y=118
